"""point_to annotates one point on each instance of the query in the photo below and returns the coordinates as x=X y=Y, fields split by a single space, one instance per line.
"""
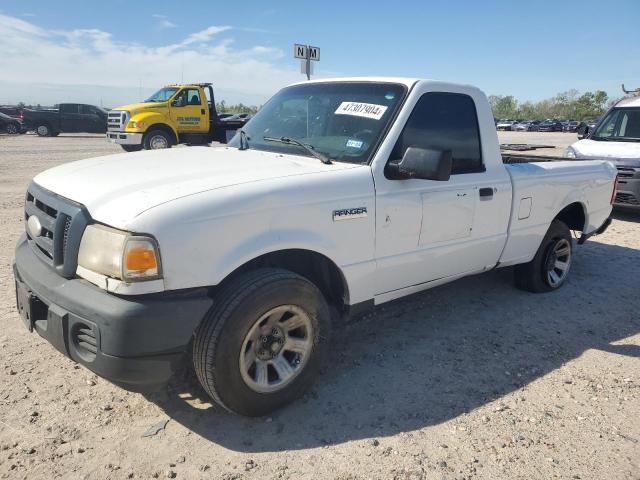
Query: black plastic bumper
x=603 y=228
x=137 y=342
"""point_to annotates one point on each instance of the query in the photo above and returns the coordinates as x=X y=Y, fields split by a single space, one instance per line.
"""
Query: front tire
x=157 y=140
x=550 y=267
x=13 y=129
x=262 y=343
x=131 y=148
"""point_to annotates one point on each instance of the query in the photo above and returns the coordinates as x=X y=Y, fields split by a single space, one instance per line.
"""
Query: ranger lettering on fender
x=349 y=213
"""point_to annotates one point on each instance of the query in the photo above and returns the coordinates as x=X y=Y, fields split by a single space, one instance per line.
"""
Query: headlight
x=570 y=153
x=119 y=254
x=137 y=124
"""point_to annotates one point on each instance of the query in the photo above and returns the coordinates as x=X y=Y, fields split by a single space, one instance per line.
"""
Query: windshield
x=620 y=125
x=342 y=121
x=162 y=95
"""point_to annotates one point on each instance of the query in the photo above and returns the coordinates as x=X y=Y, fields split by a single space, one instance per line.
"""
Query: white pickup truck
x=337 y=196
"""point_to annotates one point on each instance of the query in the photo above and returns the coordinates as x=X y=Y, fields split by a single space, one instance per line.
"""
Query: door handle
x=202 y=111
x=486 y=192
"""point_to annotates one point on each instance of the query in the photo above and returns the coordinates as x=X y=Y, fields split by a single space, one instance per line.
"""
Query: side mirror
x=423 y=163
x=583 y=131
x=178 y=102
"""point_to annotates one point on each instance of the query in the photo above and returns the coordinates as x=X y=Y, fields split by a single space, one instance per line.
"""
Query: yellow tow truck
x=177 y=113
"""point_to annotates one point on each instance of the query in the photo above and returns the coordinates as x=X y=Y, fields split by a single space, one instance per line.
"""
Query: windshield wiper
x=244 y=140
x=306 y=146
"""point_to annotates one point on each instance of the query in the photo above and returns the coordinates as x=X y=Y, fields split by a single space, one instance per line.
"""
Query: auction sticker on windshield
x=358 y=109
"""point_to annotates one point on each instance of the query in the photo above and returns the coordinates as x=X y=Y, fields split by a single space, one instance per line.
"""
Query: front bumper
x=124 y=138
x=135 y=342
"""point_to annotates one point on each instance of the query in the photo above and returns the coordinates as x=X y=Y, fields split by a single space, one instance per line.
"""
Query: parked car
x=11 y=125
x=15 y=112
x=505 y=125
x=240 y=256
x=527 y=126
x=67 y=118
x=550 y=126
x=245 y=117
x=573 y=126
x=617 y=138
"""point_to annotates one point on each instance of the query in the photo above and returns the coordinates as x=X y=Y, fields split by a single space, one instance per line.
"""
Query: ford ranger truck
x=339 y=195
x=617 y=138
x=174 y=114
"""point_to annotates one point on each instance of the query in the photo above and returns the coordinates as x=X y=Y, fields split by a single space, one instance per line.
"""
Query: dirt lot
x=471 y=380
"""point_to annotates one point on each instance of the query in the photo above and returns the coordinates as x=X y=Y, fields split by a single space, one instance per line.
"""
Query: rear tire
x=550 y=267
x=43 y=130
x=13 y=129
x=131 y=148
x=157 y=140
x=262 y=343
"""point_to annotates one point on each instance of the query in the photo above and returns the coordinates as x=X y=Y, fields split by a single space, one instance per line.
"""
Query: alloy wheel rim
x=276 y=349
x=558 y=262
x=11 y=129
x=42 y=130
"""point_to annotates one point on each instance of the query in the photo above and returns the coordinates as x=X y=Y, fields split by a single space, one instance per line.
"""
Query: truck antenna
x=635 y=92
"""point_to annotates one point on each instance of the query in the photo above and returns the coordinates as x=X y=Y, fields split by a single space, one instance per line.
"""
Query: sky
x=115 y=52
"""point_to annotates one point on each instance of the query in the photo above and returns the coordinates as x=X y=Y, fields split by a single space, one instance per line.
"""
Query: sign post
x=307 y=54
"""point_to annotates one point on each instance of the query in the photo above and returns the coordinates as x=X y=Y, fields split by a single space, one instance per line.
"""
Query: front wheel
x=550 y=267
x=131 y=148
x=262 y=343
x=156 y=140
x=13 y=129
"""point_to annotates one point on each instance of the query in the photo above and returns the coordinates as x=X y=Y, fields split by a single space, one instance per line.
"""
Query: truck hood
x=592 y=149
x=115 y=189
x=142 y=106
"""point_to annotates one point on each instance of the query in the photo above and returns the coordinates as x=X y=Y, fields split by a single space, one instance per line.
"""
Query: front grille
x=627 y=199
x=117 y=120
x=628 y=172
x=62 y=223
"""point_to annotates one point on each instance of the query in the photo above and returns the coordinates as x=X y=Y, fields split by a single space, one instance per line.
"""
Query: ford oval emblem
x=34 y=226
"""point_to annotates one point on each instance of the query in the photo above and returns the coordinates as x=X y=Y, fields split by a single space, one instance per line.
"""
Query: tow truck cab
x=177 y=113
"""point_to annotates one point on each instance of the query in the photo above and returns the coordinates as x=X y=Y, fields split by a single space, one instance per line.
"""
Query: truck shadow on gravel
x=437 y=355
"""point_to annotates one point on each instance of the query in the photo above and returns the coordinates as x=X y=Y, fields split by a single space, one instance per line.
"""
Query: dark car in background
x=550 y=126
x=245 y=117
x=573 y=126
x=527 y=126
x=67 y=118
x=15 y=112
x=11 y=125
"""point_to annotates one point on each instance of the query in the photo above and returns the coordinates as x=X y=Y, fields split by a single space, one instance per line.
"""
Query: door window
x=444 y=121
x=193 y=97
x=188 y=96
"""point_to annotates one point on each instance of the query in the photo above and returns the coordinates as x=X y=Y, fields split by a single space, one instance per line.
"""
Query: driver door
x=429 y=231
x=189 y=111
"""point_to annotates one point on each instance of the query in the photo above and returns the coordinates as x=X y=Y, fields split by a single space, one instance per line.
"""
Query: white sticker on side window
x=358 y=109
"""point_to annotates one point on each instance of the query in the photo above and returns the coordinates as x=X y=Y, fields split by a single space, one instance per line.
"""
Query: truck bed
x=513 y=158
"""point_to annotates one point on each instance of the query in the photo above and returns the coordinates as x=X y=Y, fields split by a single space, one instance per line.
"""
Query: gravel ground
x=471 y=380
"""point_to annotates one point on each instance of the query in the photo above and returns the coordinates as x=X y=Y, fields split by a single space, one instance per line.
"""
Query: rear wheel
x=157 y=139
x=131 y=148
x=13 y=129
x=550 y=267
x=262 y=343
x=43 y=130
